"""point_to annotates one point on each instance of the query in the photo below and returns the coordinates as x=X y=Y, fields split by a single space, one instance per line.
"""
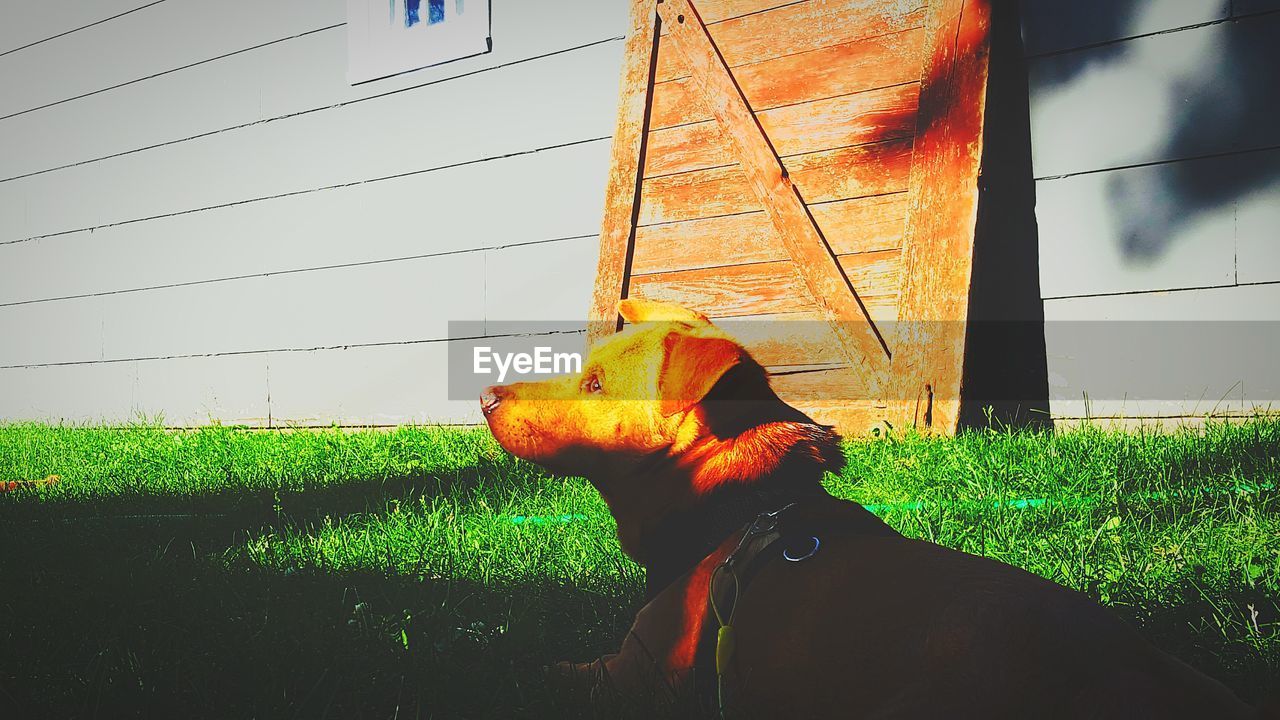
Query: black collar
x=686 y=538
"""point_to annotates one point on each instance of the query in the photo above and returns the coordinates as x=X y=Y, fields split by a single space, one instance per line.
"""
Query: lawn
x=423 y=572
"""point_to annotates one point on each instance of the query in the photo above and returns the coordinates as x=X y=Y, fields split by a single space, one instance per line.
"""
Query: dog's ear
x=691 y=366
x=637 y=310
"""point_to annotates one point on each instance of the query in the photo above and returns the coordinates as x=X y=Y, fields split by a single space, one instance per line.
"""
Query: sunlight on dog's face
x=631 y=399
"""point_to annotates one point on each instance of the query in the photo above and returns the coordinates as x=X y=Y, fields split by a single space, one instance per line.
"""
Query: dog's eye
x=592 y=385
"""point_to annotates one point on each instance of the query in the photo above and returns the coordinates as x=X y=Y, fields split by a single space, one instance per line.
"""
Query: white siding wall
x=200 y=219
x=1157 y=162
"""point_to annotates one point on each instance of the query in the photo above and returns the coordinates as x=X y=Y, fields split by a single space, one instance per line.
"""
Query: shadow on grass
x=108 y=616
x=142 y=623
x=237 y=508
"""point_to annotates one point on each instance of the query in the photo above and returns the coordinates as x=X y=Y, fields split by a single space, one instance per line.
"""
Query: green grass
x=425 y=573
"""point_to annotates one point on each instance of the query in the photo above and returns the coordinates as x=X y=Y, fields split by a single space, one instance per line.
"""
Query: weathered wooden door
x=809 y=169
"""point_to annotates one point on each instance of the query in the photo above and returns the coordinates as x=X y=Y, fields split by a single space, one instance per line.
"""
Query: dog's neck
x=674 y=508
x=686 y=537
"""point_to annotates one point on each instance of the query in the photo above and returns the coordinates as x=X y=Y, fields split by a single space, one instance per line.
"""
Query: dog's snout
x=491 y=397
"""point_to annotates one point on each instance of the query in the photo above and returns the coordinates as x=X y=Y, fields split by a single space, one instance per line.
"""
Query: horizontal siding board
x=561 y=99
x=1178 y=353
x=73 y=394
x=1053 y=25
x=1166 y=97
x=159 y=39
x=1258 y=235
x=796 y=28
x=540 y=286
x=860 y=171
x=185 y=392
x=31 y=21
x=202 y=390
x=849 y=226
x=1228 y=403
x=49 y=333
x=842 y=121
x=304 y=74
x=390 y=385
x=1245 y=303
x=1129 y=230
x=1245 y=7
x=829 y=72
x=384 y=303
x=437 y=212
x=163 y=37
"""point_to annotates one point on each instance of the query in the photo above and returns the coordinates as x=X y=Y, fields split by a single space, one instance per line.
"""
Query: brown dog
x=676 y=426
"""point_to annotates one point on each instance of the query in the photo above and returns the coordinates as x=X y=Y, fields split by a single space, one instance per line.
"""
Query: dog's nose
x=490 y=398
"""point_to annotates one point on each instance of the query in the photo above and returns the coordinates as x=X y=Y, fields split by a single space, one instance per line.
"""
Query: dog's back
x=883 y=626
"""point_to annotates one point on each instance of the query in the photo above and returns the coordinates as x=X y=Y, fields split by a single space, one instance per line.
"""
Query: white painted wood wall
x=1146 y=117
x=200 y=220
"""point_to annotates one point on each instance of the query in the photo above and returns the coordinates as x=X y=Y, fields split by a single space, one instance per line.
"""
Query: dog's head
x=671 y=395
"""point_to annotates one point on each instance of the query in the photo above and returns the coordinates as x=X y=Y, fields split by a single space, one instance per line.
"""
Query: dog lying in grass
x=767 y=597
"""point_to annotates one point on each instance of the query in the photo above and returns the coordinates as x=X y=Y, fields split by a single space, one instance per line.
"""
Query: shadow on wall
x=1006 y=369
x=1200 y=92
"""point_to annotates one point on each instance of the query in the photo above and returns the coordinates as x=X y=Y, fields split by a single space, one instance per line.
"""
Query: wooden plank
x=622 y=192
x=850 y=226
x=860 y=171
x=729 y=291
x=852 y=419
x=872 y=116
x=853 y=67
x=820 y=387
x=828 y=397
x=785 y=338
x=776 y=192
x=717 y=11
x=316 y=229
x=796 y=28
x=561 y=99
x=941 y=219
x=761 y=288
x=303 y=74
x=873 y=273
x=167 y=36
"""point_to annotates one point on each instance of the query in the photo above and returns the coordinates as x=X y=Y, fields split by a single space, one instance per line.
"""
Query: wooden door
x=812 y=167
